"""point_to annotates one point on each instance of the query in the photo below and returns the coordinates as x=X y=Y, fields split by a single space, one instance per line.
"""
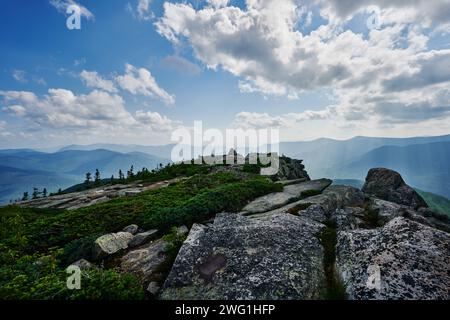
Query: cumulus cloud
x=141 y=11
x=97 y=111
x=61 y=6
x=141 y=81
x=93 y=80
x=264 y=120
x=263 y=47
x=421 y=11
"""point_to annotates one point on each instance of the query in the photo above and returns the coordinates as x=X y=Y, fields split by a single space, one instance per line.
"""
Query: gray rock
x=275 y=257
x=336 y=197
x=153 y=288
x=389 y=185
x=290 y=193
x=402 y=260
x=83 y=264
x=145 y=261
x=142 y=238
x=111 y=243
x=132 y=228
x=182 y=230
x=290 y=169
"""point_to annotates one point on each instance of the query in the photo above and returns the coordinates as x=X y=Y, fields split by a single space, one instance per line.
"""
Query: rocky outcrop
x=274 y=257
x=76 y=200
x=142 y=238
x=132 y=228
x=389 y=185
x=290 y=169
x=147 y=261
x=402 y=260
x=290 y=193
x=110 y=243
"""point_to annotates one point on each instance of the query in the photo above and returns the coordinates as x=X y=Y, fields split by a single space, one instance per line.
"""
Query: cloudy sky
x=139 y=69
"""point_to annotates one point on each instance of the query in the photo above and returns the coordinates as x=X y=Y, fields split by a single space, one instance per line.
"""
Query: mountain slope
x=24 y=169
x=13 y=182
x=424 y=166
x=322 y=156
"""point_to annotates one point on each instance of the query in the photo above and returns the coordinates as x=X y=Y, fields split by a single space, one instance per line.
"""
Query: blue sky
x=138 y=69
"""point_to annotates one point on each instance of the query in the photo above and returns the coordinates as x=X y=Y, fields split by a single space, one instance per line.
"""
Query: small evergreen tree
x=112 y=179
x=97 y=176
x=44 y=192
x=121 y=176
x=88 y=178
x=35 y=193
x=25 y=196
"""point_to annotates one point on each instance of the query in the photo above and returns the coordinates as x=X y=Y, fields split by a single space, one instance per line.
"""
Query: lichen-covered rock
x=389 y=185
x=273 y=257
x=290 y=193
x=402 y=260
x=145 y=261
x=83 y=264
x=290 y=169
x=110 y=243
x=338 y=196
x=142 y=238
x=132 y=228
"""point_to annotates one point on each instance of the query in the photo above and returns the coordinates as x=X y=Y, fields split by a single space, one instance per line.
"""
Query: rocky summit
x=230 y=233
x=338 y=242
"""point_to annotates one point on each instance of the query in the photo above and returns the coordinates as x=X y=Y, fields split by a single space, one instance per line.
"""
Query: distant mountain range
x=424 y=162
x=23 y=169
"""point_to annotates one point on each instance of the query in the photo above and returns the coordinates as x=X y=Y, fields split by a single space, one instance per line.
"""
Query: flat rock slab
x=276 y=257
x=145 y=261
x=290 y=193
x=142 y=238
x=110 y=243
x=402 y=260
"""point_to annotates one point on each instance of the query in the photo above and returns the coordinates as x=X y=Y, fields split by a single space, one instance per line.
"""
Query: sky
x=139 y=69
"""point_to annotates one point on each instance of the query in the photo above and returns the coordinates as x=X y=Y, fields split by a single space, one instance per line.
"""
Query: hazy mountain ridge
x=24 y=169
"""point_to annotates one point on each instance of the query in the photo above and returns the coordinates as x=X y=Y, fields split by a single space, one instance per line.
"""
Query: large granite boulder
x=272 y=257
x=290 y=169
x=142 y=238
x=110 y=243
x=402 y=260
x=145 y=261
x=290 y=193
x=389 y=185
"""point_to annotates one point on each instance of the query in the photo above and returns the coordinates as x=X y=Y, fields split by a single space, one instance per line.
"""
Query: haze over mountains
x=21 y=170
x=424 y=162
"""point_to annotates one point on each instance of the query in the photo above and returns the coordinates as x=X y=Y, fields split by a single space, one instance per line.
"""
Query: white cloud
x=98 y=114
x=141 y=11
x=382 y=75
x=141 y=81
x=61 y=6
x=93 y=80
x=19 y=76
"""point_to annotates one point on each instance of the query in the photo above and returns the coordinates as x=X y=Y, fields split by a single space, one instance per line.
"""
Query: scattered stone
x=83 y=264
x=142 y=238
x=389 y=185
x=111 y=243
x=132 y=228
x=276 y=257
x=145 y=261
